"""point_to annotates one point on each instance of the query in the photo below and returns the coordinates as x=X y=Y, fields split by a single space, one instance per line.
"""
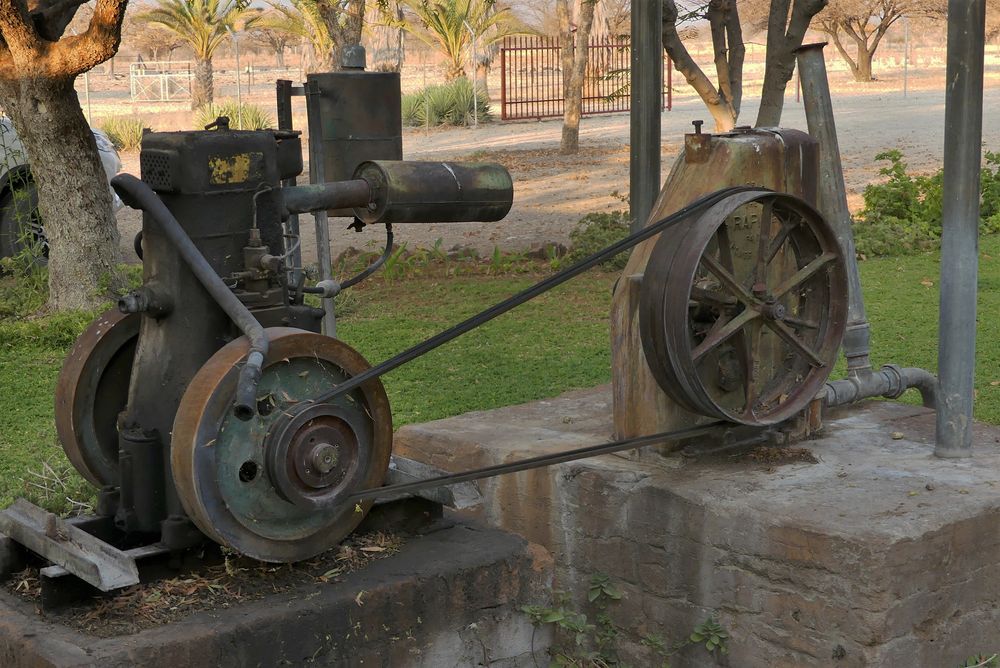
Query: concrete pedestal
x=449 y=598
x=869 y=552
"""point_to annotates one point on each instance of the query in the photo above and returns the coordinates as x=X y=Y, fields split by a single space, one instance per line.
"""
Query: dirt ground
x=552 y=192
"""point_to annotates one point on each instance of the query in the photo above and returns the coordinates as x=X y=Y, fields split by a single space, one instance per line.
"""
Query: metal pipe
x=324 y=255
x=647 y=103
x=833 y=198
x=960 y=225
x=323 y=196
x=889 y=382
x=138 y=195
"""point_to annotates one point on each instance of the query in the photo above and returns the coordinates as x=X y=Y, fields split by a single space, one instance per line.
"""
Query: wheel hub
x=314 y=457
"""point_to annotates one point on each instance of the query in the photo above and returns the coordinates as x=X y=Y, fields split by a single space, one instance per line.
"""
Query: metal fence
x=531 y=77
x=160 y=81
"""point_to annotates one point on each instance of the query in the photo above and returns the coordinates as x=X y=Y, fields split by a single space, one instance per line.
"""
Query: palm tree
x=444 y=25
x=302 y=19
x=204 y=26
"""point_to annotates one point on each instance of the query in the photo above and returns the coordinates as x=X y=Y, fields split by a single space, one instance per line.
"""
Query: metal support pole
x=284 y=91
x=475 y=72
x=647 y=105
x=833 y=197
x=960 y=221
x=316 y=175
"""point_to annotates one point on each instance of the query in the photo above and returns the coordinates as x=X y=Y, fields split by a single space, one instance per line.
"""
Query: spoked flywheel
x=92 y=390
x=274 y=487
x=743 y=308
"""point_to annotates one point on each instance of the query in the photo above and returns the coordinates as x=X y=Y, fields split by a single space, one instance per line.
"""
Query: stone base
x=871 y=553
x=449 y=598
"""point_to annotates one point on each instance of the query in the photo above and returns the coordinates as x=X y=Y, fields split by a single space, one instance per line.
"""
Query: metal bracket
x=459 y=496
x=85 y=556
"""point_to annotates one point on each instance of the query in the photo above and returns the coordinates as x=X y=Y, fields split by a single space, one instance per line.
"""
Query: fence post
x=503 y=81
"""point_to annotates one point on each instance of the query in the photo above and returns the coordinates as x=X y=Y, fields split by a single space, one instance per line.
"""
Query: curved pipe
x=138 y=195
x=889 y=382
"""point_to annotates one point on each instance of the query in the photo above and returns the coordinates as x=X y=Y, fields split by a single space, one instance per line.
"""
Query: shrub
x=448 y=104
x=125 y=132
x=597 y=231
x=247 y=117
x=903 y=214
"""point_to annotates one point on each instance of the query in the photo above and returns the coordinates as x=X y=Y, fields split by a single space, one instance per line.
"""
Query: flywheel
x=743 y=308
x=92 y=390
x=274 y=487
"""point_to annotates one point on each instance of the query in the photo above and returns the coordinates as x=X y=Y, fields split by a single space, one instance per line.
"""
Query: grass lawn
x=556 y=343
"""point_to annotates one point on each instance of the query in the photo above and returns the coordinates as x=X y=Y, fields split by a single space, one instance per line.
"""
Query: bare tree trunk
x=81 y=229
x=784 y=35
x=204 y=83
x=574 y=70
x=279 y=57
x=722 y=103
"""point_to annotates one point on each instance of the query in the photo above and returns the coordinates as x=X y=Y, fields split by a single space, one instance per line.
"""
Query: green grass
x=555 y=343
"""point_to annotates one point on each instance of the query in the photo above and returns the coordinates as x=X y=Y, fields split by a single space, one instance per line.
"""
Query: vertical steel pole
x=832 y=196
x=283 y=94
x=647 y=103
x=317 y=175
x=960 y=220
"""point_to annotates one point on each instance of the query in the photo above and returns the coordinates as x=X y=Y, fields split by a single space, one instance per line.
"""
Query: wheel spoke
x=749 y=341
x=800 y=323
x=727 y=279
x=803 y=274
x=713 y=298
x=793 y=340
x=780 y=240
x=720 y=334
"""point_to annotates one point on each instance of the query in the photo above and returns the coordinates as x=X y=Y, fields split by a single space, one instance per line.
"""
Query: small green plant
x=597 y=231
x=125 y=132
x=447 y=104
x=902 y=214
x=982 y=661
x=581 y=643
x=241 y=117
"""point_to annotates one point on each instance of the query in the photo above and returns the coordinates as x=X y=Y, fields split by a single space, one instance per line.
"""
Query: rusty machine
x=210 y=403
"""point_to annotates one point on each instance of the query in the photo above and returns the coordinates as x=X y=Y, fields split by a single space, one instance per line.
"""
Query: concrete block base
x=450 y=597
x=863 y=550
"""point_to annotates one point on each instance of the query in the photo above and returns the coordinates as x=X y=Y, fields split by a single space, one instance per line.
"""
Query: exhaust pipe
x=862 y=382
x=833 y=198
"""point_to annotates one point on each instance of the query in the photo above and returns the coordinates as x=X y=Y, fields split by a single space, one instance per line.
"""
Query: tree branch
x=76 y=54
x=51 y=17
x=17 y=29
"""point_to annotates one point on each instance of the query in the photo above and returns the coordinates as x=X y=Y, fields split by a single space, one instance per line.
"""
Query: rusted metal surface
x=743 y=309
x=435 y=192
x=83 y=555
x=234 y=478
x=92 y=390
x=308 y=198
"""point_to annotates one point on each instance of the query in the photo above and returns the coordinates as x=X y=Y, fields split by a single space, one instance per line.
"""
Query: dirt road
x=552 y=192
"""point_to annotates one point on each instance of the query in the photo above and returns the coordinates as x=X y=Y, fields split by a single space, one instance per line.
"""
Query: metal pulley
x=743 y=308
x=275 y=487
x=91 y=392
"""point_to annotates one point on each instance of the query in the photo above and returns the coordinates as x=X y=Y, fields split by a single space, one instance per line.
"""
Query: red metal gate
x=531 y=77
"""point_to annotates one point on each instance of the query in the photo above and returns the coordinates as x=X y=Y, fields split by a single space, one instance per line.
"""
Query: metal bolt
x=324 y=457
x=697 y=126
